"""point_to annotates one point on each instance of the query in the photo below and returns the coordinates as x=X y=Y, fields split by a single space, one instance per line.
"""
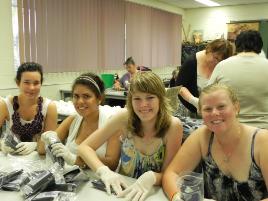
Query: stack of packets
x=44 y=185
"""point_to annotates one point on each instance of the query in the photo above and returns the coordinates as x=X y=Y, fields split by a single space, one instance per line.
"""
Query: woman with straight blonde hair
x=150 y=138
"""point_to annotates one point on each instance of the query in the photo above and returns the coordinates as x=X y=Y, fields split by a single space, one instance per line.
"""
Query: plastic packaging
x=11 y=140
x=50 y=156
x=76 y=175
x=8 y=177
x=54 y=196
x=68 y=187
x=38 y=184
x=16 y=184
x=98 y=184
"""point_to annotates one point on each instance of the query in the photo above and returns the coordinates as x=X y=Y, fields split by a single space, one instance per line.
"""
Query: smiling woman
x=88 y=94
x=150 y=138
x=28 y=114
x=233 y=155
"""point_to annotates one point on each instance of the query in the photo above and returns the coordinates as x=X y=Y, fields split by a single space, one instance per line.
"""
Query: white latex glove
x=59 y=150
x=48 y=135
x=111 y=178
x=6 y=149
x=141 y=188
x=25 y=148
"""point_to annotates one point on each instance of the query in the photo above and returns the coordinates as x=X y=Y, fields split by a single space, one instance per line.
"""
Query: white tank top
x=105 y=112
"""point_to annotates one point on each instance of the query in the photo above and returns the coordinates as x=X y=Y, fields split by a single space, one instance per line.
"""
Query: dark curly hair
x=86 y=80
x=29 y=67
x=249 y=41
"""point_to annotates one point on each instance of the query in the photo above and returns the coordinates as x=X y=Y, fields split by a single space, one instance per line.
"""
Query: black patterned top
x=225 y=188
x=28 y=130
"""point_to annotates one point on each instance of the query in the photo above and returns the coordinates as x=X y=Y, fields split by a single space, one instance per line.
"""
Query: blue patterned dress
x=134 y=163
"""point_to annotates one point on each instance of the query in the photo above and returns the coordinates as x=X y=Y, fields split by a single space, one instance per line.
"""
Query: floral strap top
x=134 y=163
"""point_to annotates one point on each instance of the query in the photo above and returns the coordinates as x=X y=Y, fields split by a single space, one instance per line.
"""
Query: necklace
x=227 y=155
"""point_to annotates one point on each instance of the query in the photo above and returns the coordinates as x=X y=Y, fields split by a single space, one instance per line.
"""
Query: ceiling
x=187 y=4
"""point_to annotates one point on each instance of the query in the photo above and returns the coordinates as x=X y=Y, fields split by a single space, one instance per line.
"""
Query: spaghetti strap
x=210 y=142
x=252 y=144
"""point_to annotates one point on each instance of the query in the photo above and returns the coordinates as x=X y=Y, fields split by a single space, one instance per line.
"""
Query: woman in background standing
x=197 y=69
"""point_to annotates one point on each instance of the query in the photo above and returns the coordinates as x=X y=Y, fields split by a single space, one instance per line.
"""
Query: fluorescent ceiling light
x=208 y=2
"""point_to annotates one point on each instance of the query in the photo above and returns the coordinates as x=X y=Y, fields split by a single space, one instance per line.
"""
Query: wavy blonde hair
x=218 y=86
x=149 y=82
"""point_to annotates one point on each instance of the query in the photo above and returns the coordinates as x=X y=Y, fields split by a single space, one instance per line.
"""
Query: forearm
x=110 y=162
x=80 y=162
x=41 y=147
x=158 y=177
x=169 y=184
x=89 y=156
x=194 y=101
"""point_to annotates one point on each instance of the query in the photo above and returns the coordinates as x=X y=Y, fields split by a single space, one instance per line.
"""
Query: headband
x=91 y=81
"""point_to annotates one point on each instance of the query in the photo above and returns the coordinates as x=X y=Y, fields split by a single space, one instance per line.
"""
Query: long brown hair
x=149 y=82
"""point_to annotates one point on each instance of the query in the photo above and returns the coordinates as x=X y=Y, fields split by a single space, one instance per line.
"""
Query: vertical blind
x=153 y=36
x=89 y=35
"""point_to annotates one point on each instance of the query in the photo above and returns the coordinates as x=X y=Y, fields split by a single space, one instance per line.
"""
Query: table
x=65 y=95
x=86 y=192
x=115 y=98
x=112 y=97
x=114 y=94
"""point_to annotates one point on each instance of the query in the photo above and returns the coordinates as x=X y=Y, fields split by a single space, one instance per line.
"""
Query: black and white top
x=218 y=186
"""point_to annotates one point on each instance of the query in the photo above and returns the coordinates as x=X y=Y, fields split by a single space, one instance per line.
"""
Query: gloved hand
x=111 y=178
x=59 y=150
x=141 y=188
x=6 y=149
x=25 y=148
x=48 y=136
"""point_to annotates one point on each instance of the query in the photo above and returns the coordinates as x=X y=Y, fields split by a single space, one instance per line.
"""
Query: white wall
x=160 y=5
x=213 y=20
x=6 y=47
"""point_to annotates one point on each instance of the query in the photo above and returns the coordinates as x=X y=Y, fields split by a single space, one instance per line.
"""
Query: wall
x=6 y=47
x=213 y=20
x=53 y=82
x=160 y=5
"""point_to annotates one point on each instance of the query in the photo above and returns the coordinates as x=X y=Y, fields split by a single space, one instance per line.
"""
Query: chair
x=172 y=95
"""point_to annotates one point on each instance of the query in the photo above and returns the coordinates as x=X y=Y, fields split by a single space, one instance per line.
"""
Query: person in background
x=151 y=137
x=233 y=155
x=28 y=114
x=247 y=74
x=132 y=69
x=197 y=69
x=172 y=82
x=88 y=94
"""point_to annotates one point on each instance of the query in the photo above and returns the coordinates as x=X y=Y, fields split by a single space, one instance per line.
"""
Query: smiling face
x=85 y=101
x=30 y=84
x=218 y=110
x=145 y=106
